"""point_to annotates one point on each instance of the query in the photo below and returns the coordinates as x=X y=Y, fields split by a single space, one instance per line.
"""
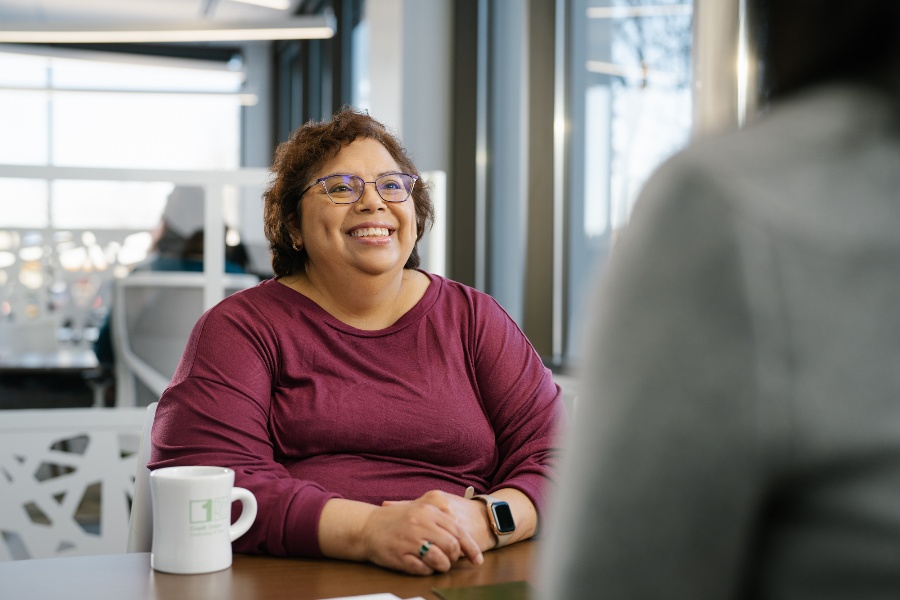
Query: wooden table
x=129 y=576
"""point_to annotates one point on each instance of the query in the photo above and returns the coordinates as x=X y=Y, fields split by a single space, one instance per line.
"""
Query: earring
x=296 y=247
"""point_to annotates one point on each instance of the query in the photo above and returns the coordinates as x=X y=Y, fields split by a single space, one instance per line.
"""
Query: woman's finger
x=469 y=547
x=434 y=557
x=451 y=521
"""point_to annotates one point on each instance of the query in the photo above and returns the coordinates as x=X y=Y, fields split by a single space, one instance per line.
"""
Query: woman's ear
x=292 y=226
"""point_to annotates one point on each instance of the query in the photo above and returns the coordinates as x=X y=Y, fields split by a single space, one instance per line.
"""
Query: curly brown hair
x=296 y=161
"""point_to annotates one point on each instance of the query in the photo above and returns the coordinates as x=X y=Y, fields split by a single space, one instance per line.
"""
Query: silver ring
x=424 y=549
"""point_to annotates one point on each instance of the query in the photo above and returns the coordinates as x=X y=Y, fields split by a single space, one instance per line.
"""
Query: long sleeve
x=522 y=402
x=217 y=412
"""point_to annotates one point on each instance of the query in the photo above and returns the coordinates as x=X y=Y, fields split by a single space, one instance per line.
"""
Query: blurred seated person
x=179 y=241
x=178 y=246
x=738 y=433
x=356 y=395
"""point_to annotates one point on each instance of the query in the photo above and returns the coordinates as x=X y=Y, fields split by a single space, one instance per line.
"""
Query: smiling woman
x=356 y=395
x=300 y=165
x=370 y=237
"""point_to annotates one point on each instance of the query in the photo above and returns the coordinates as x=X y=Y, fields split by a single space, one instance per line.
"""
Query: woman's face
x=369 y=236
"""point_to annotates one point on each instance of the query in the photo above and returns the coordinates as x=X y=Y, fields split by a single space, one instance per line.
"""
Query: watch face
x=503 y=517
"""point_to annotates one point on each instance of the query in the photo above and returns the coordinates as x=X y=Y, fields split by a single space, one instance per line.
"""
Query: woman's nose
x=370 y=200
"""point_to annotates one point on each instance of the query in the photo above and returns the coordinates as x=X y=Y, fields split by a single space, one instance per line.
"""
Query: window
x=88 y=113
x=584 y=99
x=630 y=109
x=61 y=240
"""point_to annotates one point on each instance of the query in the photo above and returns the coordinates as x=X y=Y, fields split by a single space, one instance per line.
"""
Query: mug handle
x=248 y=512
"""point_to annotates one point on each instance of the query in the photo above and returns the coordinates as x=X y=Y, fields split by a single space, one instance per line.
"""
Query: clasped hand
x=427 y=534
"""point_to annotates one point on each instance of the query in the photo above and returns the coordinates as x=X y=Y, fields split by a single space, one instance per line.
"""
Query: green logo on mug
x=206 y=511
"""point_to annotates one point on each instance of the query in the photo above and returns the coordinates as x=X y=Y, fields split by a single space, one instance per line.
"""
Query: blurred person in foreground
x=357 y=396
x=738 y=431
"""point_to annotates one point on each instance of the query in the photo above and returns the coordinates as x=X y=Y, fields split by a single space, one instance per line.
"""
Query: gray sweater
x=738 y=431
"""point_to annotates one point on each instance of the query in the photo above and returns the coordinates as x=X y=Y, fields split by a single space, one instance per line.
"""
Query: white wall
x=257 y=149
x=418 y=53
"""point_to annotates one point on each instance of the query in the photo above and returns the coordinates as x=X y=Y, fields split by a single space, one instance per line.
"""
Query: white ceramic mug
x=191 y=516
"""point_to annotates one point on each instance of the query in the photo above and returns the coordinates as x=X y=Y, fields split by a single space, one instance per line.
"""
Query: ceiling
x=47 y=12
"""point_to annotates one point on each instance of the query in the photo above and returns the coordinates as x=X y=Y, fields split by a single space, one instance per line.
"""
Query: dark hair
x=296 y=161
x=171 y=245
x=805 y=42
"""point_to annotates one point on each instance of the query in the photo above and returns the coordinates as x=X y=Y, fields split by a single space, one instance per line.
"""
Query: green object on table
x=513 y=590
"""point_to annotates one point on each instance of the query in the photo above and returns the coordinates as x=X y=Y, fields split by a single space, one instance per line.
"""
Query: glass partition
x=630 y=109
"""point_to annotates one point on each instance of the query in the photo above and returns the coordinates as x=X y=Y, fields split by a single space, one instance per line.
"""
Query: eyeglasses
x=347 y=189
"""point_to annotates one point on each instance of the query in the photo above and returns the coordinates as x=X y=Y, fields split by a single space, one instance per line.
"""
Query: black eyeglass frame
x=321 y=180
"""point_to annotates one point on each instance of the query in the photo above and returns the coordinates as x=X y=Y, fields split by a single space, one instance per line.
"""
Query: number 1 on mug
x=213 y=509
x=201 y=511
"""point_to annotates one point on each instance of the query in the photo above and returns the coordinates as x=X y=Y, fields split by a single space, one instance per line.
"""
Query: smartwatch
x=500 y=517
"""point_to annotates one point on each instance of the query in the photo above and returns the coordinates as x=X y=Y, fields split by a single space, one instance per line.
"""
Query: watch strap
x=502 y=538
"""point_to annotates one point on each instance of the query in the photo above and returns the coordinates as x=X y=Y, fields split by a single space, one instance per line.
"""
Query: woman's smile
x=372 y=233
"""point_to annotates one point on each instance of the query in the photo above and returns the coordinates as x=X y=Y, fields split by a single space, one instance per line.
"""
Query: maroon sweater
x=306 y=408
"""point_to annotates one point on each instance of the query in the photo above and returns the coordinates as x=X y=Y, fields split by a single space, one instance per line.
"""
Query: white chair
x=153 y=314
x=65 y=478
x=140 y=527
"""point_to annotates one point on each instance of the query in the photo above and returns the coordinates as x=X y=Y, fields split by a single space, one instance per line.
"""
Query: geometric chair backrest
x=66 y=480
x=152 y=317
x=140 y=528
